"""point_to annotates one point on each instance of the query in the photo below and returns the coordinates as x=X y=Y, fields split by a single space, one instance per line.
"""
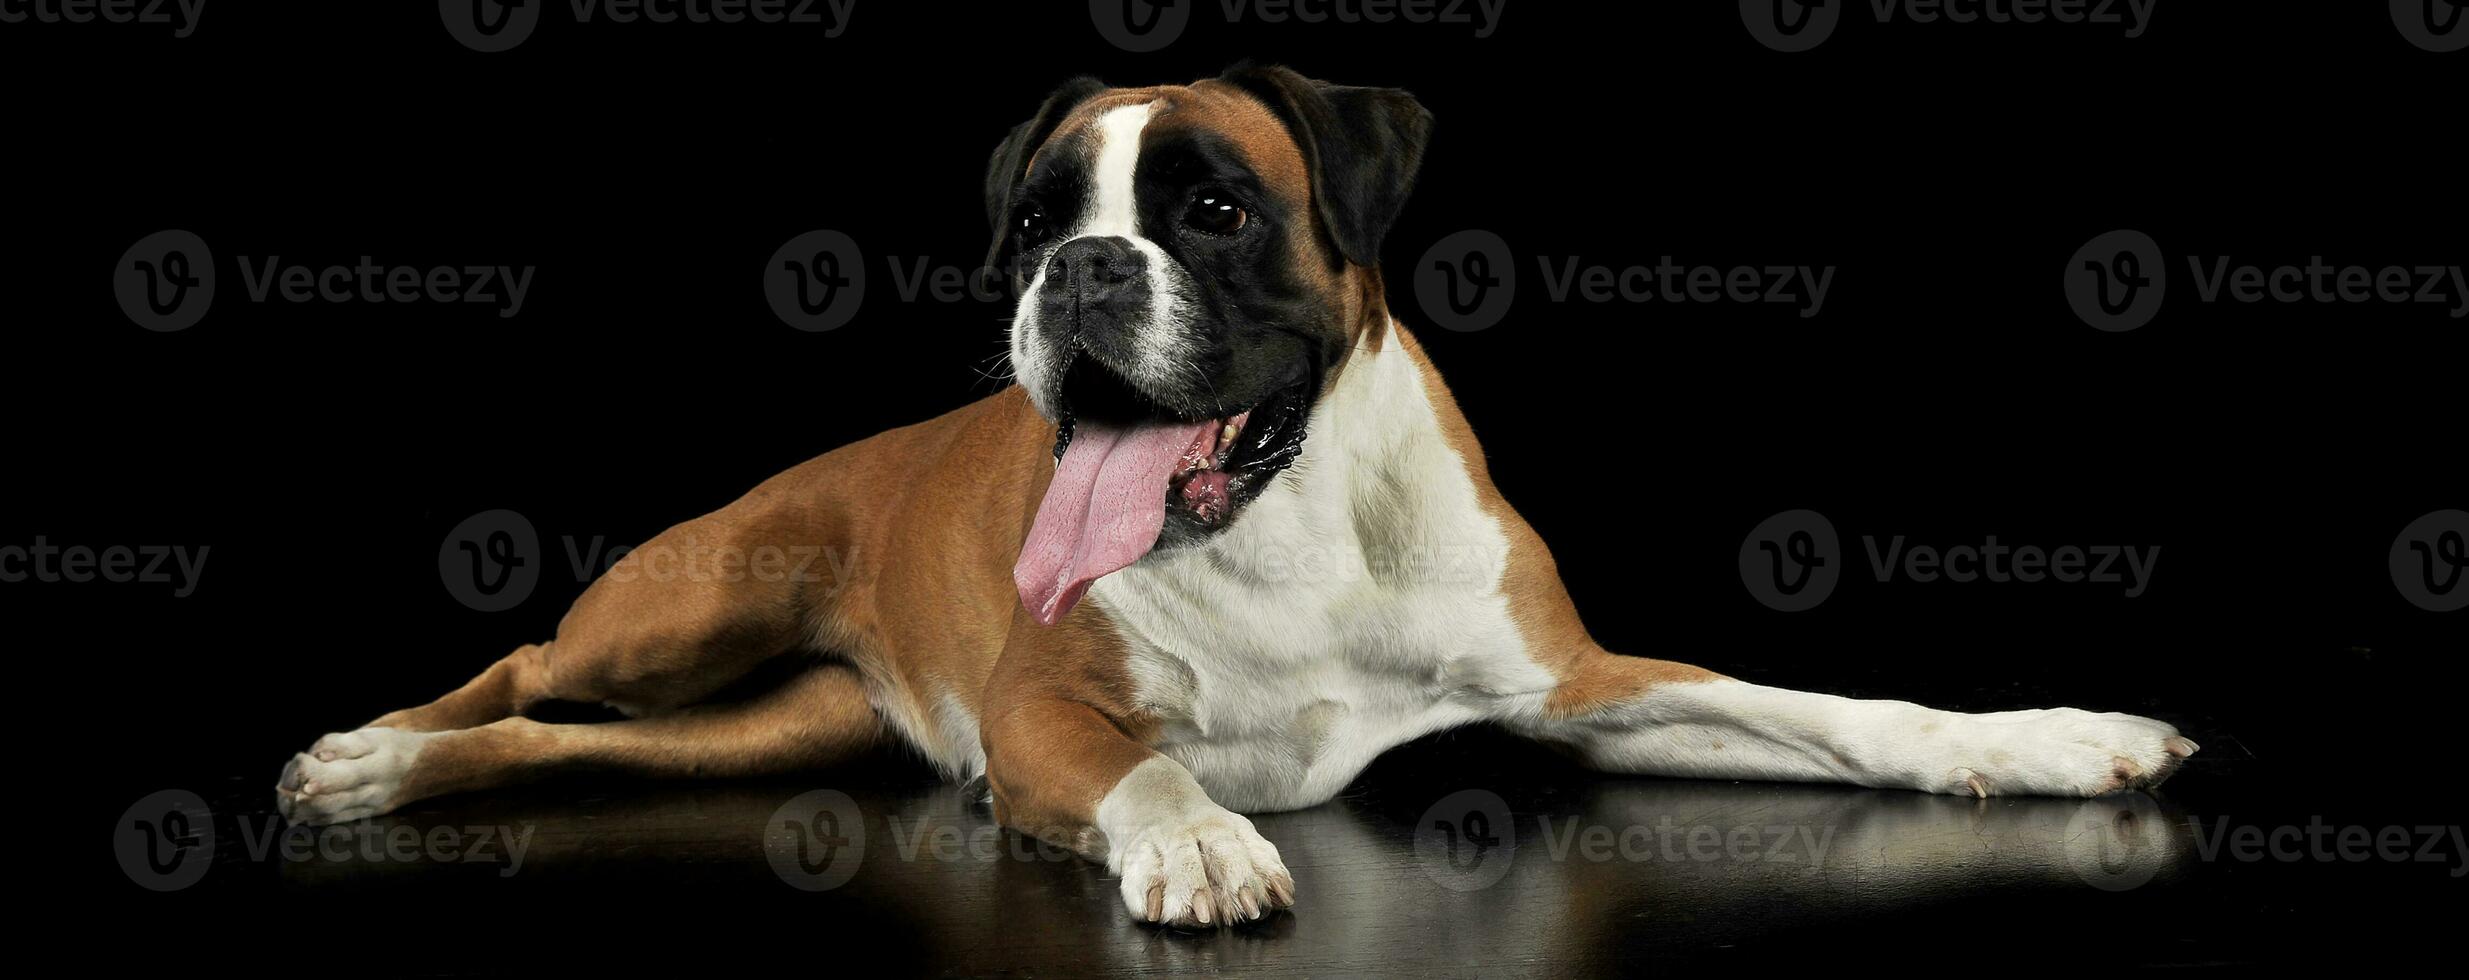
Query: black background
x=1945 y=393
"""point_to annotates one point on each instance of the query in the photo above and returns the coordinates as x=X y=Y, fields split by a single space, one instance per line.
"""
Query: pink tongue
x=1103 y=511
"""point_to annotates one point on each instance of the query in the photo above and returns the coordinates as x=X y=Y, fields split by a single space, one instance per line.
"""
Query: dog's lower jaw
x=1184 y=860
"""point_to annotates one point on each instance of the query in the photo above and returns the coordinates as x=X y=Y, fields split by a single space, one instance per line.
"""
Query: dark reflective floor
x=1470 y=854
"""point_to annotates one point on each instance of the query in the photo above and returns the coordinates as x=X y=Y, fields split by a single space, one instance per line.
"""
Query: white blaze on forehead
x=1112 y=210
x=1164 y=352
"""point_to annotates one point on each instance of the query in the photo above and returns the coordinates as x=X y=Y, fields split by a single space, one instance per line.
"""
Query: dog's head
x=1194 y=264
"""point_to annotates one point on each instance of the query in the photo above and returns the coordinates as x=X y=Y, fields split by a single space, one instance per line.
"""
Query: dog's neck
x=1378 y=492
x=1367 y=575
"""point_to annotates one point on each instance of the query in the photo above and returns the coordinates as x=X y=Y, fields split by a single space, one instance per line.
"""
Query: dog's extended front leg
x=1628 y=714
x=1065 y=773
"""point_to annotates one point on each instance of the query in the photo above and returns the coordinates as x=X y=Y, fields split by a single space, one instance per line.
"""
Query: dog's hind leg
x=508 y=688
x=1633 y=715
x=677 y=620
x=685 y=617
x=1659 y=718
x=815 y=718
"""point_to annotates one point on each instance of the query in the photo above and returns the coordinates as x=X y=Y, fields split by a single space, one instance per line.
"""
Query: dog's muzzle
x=1097 y=293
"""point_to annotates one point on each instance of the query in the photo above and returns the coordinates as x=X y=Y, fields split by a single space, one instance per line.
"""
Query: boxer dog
x=1227 y=539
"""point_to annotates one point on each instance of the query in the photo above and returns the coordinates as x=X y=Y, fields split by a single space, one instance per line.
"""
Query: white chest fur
x=1355 y=605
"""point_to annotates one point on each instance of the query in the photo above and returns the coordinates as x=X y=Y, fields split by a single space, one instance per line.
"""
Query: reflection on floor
x=1466 y=854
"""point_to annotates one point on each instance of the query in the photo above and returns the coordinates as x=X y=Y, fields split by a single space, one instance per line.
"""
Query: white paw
x=1208 y=870
x=348 y=775
x=2060 y=752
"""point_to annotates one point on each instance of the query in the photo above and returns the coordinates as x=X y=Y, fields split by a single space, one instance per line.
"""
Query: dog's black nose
x=1096 y=267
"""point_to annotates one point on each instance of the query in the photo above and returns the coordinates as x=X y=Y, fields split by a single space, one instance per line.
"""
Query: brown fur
x=917 y=605
x=1590 y=677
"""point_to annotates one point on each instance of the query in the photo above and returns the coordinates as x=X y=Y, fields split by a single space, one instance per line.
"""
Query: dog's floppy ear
x=1363 y=146
x=1011 y=158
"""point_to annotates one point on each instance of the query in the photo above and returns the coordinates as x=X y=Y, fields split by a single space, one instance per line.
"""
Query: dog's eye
x=1033 y=226
x=1216 y=212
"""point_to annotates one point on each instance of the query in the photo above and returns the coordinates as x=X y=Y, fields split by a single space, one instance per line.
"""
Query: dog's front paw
x=348 y=775
x=1210 y=869
x=2061 y=752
